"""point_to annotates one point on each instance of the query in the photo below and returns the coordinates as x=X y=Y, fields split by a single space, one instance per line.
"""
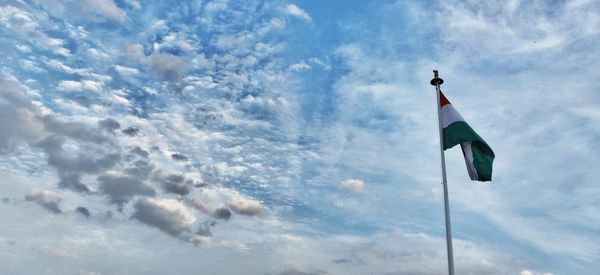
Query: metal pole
x=437 y=81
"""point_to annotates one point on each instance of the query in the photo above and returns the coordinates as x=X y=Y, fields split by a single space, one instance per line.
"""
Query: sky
x=295 y=137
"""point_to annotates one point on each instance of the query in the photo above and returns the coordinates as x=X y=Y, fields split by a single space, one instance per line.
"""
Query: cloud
x=27 y=26
x=167 y=215
x=301 y=272
x=78 y=86
x=110 y=125
x=105 y=8
x=179 y=157
x=528 y=272
x=168 y=66
x=83 y=211
x=19 y=121
x=45 y=198
x=222 y=213
x=244 y=206
x=217 y=213
x=135 y=52
x=173 y=183
x=354 y=185
x=296 y=11
x=140 y=152
x=131 y=131
x=134 y=3
x=126 y=71
x=121 y=188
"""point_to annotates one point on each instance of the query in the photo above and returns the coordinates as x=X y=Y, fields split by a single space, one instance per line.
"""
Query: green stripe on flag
x=483 y=156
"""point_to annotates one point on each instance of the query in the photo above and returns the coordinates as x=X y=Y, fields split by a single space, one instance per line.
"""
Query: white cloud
x=126 y=71
x=17 y=20
x=354 y=185
x=245 y=206
x=106 y=8
x=27 y=26
x=297 y=67
x=134 y=3
x=31 y=66
x=78 y=86
x=296 y=11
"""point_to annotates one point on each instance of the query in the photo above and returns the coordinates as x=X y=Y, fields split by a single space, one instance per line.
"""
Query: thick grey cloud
x=222 y=213
x=83 y=211
x=131 y=131
x=23 y=122
x=73 y=182
x=75 y=130
x=121 y=188
x=95 y=154
x=179 y=157
x=173 y=183
x=18 y=117
x=138 y=163
x=45 y=198
x=110 y=125
x=204 y=229
x=140 y=152
x=167 y=215
x=140 y=168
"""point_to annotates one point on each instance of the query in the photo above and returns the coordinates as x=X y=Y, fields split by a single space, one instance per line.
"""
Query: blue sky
x=295 y=137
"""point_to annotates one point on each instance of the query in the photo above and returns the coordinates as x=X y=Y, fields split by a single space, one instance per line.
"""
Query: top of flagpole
x=436 y=79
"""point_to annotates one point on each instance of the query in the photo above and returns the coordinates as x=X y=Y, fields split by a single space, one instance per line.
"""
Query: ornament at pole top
x=436 y=79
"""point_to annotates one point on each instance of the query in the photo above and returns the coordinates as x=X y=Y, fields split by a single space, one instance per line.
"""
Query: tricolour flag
x=478 y=155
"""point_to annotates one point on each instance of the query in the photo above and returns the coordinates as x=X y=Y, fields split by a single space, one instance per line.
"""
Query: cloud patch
x=296 y=11
x=354 y=185
x=83 y=211
x=45 y=198
x=120 y=188
x=78 y=86
x=245 y=206
x=167 y=215
x=217 y=213
x=105 y=8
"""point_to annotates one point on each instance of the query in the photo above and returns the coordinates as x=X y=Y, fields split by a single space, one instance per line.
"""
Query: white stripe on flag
x=468 y=153
x=450 y=115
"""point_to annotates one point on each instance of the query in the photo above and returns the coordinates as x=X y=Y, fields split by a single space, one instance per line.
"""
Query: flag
x=455 y=130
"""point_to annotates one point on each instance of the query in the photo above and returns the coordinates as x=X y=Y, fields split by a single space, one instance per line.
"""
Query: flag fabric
x=455 y=130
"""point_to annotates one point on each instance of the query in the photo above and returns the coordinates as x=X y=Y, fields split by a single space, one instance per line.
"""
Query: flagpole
x=437 y=81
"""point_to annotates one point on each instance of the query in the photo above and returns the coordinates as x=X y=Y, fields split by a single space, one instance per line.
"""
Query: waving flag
x=478 y=155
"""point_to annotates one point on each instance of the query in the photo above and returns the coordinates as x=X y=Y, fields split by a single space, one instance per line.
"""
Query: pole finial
x=436 y=79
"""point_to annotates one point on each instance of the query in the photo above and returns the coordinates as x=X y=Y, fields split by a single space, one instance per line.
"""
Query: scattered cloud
x=167 y=215
x=354 y=185
x=78 y=86
x=45 y=198
x=244 y=206
x=296 y=11
x=121 y=188
x=83 y=211
x=105 y=8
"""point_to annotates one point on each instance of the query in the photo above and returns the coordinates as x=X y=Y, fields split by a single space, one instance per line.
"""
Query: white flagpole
x=437 y=81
